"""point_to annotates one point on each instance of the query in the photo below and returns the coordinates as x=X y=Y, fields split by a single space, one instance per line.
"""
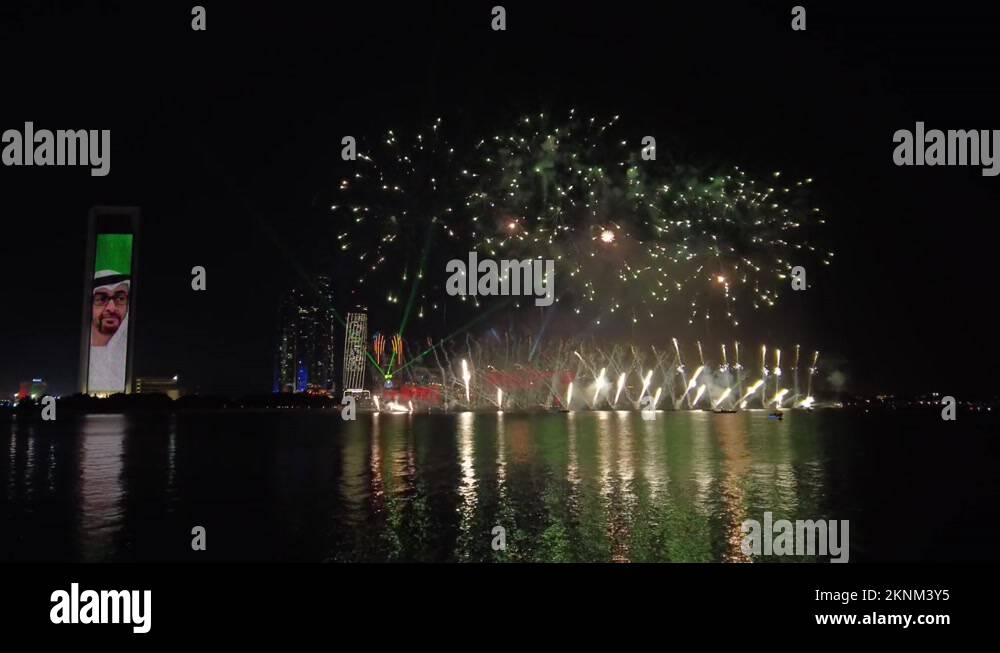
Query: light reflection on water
x=102 y=443
x=601 y=486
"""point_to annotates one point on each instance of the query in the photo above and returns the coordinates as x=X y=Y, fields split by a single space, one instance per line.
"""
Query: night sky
x=226 y=137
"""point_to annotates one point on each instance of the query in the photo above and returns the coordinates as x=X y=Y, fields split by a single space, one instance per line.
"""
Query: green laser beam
x=413 y=290
x=459 y=331
x=286 y=253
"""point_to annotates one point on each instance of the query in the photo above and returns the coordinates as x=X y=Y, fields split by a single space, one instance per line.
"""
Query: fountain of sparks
x=509 y=373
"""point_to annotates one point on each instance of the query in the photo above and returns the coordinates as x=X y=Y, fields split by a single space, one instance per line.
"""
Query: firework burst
x=630 y=237
x=403 y=195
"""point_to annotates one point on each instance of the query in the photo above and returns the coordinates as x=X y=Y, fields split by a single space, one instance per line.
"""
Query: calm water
x=579 y=487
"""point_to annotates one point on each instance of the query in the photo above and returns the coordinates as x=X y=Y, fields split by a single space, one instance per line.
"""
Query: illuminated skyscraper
x=355 y=346
x=305 y=355
x=108 y=319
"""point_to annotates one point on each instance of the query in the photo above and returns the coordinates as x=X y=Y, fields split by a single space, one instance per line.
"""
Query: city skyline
x=253 y=212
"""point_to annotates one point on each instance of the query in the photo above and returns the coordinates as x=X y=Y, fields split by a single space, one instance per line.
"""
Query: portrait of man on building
x=109 y=313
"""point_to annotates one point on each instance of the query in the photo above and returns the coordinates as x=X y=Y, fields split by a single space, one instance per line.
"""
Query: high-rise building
x=107 y=334
x=355 y=348
x=305 y=355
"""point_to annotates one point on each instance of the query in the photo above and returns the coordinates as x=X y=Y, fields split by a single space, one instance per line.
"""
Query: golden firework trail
x=722 y=397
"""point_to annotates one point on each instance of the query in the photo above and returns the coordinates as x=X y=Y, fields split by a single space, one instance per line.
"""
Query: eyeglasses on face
x=101 y=299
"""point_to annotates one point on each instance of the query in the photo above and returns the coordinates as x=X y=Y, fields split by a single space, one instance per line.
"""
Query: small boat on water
x=719 y=410
x=776 y=415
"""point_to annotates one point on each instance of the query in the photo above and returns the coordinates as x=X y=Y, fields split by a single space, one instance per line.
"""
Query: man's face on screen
x=110 y=306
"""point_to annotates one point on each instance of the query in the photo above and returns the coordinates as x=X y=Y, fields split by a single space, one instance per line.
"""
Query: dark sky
x=225 y=137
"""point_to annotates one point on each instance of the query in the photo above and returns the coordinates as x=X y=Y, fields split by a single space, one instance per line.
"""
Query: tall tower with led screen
x=355 y=343
x=109 y=281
